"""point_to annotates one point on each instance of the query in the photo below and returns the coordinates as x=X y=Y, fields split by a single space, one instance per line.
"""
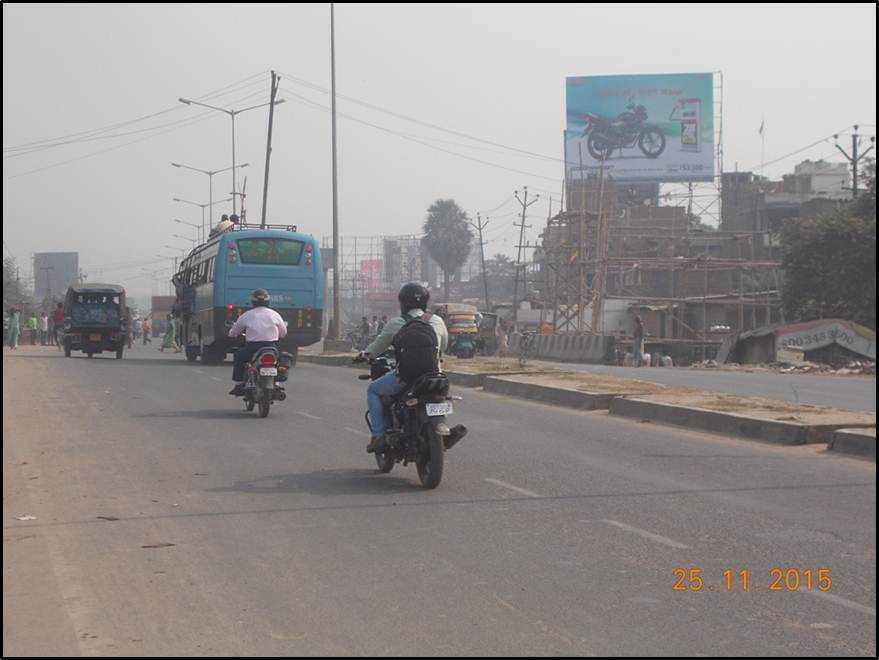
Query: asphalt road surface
x=170 y=522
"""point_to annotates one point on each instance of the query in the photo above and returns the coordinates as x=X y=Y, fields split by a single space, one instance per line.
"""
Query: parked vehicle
x=95 y=319
x=417 y=430
x=625 y=131
x=263 y=375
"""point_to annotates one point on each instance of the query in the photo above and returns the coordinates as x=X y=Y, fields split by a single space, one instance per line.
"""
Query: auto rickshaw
x=462 y=323
x=95 y=319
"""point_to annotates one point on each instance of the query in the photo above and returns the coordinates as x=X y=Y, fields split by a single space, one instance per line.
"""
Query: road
x=845 y=392
x=169 y=521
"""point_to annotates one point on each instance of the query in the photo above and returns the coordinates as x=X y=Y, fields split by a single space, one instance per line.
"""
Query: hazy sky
x=496 y=72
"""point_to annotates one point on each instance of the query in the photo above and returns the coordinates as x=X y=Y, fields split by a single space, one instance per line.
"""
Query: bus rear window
x=269 y=251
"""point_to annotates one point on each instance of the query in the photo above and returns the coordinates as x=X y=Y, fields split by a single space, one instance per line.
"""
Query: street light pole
x=232 y=114
x=210 y=174
x=336 y=309
x=204 y=234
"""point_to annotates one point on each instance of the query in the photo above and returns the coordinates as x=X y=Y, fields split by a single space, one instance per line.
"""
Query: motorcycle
x=417 y=429
x=624 y=132
x=263 y=375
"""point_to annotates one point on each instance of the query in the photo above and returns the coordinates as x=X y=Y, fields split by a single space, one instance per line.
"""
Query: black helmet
x=260 y=298
x=413 y=296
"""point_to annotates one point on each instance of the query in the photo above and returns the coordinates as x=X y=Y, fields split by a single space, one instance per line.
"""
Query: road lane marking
x=522 y=491
x=219 y=380
x=845 y=602
x=305 y=414
x=647 y=535
x=354 y=431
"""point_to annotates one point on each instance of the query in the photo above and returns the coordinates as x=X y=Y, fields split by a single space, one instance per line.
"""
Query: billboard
x=646 y=128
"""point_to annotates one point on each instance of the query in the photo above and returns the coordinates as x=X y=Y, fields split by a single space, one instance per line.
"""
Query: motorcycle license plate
x=268 y=371
x=435 y=409
x=94 y=337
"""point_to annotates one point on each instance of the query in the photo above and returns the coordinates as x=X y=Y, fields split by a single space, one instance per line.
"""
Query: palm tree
x=447 y=237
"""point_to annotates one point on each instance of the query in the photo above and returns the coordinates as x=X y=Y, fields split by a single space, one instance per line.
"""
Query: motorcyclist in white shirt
x=263 y=327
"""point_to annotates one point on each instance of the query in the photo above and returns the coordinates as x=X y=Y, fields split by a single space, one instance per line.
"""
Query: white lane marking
x=219 y=380
x=305 y=414
x=354 y=431
x=522 y=491
x=845 y=602
x=199 y=371
x=647 y=535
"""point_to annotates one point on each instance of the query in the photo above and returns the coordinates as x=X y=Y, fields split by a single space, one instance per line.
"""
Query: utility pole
x=525 y=204
x=480 y=227
x=265 y=189
x=336 y=312
x=855 y=157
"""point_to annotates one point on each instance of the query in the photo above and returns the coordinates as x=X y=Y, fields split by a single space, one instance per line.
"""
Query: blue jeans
x=387 y=385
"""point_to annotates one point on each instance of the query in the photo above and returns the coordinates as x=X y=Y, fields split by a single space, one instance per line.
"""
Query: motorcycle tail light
x=268 y=360
x=439 y=397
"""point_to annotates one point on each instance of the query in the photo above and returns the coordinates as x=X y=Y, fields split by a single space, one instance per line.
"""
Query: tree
x=447 y=237
x=500 y=264
x=13 y=294
x=830 y=262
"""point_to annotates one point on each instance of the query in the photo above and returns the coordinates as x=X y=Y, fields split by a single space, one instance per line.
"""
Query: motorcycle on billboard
x=625 y=131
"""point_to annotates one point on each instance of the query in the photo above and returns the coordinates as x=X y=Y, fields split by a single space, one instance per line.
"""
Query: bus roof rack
x=245 y=227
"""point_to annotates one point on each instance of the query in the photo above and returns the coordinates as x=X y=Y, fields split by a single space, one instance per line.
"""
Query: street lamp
x=202 y=207
x=210 y=174
x=185 y=238
x=232 y=114
x=191 y=224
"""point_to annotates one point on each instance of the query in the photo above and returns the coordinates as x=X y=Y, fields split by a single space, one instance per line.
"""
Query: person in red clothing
x=58 y=324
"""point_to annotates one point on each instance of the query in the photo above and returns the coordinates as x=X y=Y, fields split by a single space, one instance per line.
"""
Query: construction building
x=616 y=252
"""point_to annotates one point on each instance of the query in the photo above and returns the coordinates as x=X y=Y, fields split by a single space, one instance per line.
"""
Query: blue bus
x=215 y=281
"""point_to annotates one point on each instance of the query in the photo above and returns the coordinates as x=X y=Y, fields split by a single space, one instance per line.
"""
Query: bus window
x=270 y=251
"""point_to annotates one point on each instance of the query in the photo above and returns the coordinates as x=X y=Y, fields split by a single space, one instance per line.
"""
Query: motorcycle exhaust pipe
x=457 y=434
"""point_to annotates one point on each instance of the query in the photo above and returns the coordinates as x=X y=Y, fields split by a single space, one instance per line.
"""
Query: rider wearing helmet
x=263 y=326
x=413 y=300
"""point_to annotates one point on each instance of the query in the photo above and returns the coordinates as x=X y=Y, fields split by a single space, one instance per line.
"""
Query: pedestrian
x=58 y=322
x=169 y=340
x=147 y=331
x=44 y=329
x=502 y=338
x=381 y=324
x=14 y=328
x=33 y=325
x=638 y=346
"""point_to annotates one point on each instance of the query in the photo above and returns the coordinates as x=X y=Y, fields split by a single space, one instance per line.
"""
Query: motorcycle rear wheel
x=599 y=148
x=430 y=459
x=265 y=403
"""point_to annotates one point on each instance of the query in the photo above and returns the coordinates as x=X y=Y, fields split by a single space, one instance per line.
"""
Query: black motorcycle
x=417 y=430
x=263 y=375
x=626 y=131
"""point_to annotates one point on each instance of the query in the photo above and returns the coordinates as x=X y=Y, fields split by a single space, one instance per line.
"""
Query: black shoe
x=376 y=445
x=238 y=390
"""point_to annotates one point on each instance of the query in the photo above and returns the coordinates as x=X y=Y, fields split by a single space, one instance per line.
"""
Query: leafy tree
x=830 y=262
x=500 y=264
x=13 y=294
x=447 y=237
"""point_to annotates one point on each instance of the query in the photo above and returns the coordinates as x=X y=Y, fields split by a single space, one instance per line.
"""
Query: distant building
x=54 y=272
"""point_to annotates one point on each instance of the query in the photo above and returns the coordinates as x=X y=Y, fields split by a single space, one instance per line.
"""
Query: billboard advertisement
x=646 y=128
